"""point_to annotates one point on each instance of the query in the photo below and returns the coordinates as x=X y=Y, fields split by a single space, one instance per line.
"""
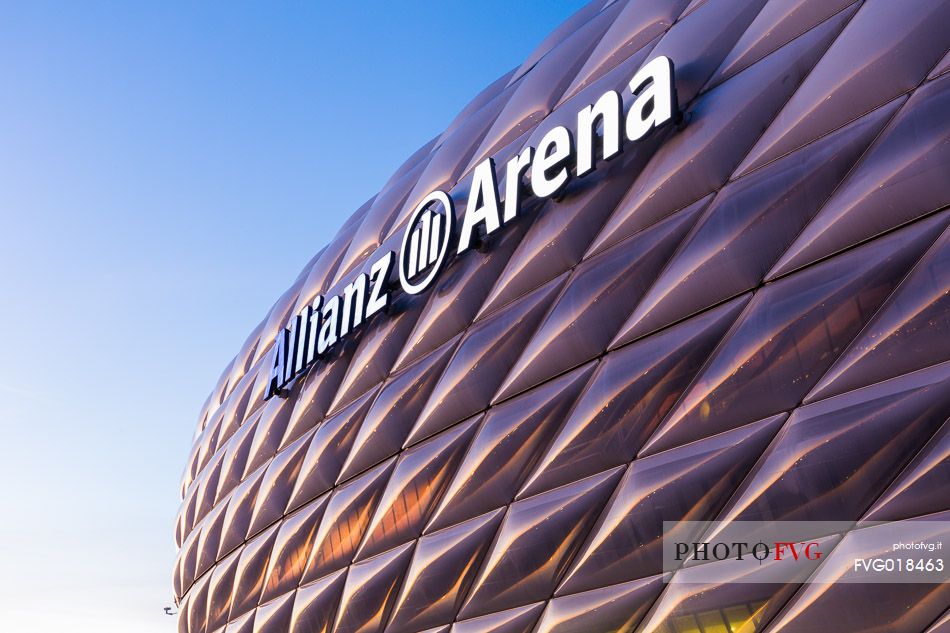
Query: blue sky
x=150 y=155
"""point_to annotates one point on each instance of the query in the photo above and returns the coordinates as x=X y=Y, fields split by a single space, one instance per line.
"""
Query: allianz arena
x=690 y=261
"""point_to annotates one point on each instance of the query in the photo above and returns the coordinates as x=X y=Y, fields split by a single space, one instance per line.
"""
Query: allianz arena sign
x=430 y=235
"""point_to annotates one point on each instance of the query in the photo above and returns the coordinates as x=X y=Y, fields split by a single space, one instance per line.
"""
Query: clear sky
x=150 y=155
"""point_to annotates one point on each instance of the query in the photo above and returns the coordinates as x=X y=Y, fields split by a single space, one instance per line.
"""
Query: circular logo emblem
x=425 y=244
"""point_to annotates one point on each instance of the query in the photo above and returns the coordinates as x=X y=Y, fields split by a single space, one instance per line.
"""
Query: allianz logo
x=431 y=238
x=425 y=243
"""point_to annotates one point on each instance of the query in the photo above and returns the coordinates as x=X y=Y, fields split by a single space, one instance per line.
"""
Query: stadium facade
x=690 y=261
